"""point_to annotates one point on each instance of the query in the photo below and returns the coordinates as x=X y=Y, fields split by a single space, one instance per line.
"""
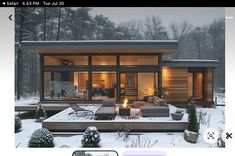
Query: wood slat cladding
x=208 y=87
x=175 y=81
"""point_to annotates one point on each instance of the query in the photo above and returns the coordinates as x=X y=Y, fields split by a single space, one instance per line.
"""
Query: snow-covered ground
x=220 y=97
x=209 y=117
x=35 y=99
x=27 y=101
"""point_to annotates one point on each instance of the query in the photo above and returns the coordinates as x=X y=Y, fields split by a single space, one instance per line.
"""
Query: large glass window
x=66 y=60
x=74 y=84
x=103 y=60
x=147 y=84
x=65 y=85
x=195 y=85
x=139 y=60
x=138 y=85
x=103 y=85
x=198 y=86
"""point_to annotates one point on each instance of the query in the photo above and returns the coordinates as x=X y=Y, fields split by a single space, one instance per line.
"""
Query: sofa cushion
x=137 y=104
x=149 y=104
x=150 y=99
x=108 y=103
x=105 y=112
x=153 y=111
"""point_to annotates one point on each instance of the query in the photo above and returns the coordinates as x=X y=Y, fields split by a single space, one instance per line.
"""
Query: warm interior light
x=150 y=91
x=166 y=75
x=122 y=85
x=125 y=101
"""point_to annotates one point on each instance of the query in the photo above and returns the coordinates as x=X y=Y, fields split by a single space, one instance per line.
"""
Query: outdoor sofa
x=153 y=106
x=106 y=110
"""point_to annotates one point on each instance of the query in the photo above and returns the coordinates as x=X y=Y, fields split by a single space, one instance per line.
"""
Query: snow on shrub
x=41 y=119
x=40 y=112
x=18 y=124
x=41 y=138
x=91 y=138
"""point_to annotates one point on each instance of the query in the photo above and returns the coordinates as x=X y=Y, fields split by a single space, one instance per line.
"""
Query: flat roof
x=191 y=63
x=101 y=46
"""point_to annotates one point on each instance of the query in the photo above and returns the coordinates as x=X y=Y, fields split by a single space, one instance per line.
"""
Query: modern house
x=93 y=70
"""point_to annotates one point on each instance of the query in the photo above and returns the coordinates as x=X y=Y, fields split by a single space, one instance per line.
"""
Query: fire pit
x=124 y=109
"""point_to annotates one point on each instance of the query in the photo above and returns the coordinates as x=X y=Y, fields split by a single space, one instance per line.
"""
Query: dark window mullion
x=118 y=79
x=89 y=78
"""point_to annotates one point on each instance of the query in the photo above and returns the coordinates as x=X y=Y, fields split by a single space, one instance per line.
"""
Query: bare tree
x=180 y=30
x=217 y=32
x=131 y=30
x=58 y=27
x=153 y=29
x=44 y=23
x=197 y=39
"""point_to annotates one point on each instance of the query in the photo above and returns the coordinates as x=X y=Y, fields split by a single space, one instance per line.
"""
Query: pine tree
x=40 y=112
x=193 y=124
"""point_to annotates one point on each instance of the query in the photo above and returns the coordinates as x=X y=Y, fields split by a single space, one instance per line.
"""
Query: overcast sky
x=196 y=16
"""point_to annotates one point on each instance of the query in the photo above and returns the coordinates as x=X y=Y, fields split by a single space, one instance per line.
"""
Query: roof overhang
x=191 y=63
x=101 y=46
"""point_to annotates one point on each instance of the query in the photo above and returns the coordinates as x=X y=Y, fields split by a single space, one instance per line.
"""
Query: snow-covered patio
x=209 y=117
x=62 y=121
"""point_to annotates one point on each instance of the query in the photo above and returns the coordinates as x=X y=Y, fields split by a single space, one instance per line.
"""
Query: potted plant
x=162 y=93
x=191 y=134
x=178 y=114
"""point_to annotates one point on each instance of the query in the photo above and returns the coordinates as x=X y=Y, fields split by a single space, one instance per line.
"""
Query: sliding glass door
x=195 y=85
x=135 y=86
x=65 y=85
x=103 y=85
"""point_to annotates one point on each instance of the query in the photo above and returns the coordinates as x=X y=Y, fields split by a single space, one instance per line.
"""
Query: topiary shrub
x=193 y=121
x=18 y=124
x=40 y=112
x=41 y=138
x=91 y=138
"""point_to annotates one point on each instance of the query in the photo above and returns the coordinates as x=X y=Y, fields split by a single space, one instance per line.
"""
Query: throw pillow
x=156 y=101
x=150 y=99
x=163 y=102
x=155 y=97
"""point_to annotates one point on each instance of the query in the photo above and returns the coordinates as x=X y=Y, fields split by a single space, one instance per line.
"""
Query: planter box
x=176 y=116
x=190 y=136
x=124 y=111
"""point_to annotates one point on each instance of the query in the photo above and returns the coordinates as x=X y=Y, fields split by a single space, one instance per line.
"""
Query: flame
x=124 y=105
